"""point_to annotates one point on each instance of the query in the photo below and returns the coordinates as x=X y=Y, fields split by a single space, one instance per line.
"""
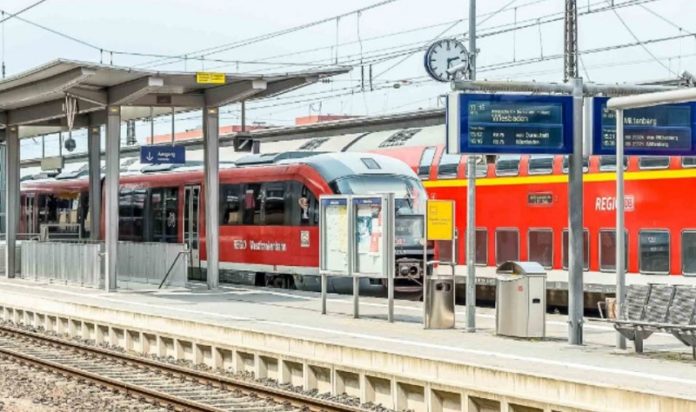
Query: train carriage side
x=522 y=209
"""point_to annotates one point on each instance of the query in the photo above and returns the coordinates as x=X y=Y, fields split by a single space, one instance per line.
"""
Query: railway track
x=158 y=383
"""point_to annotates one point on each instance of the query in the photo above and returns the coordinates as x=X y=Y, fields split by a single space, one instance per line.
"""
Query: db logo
x=240 y=244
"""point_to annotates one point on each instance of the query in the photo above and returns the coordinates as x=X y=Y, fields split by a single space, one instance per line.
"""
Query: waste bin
x=439 y=302
x=520 y=301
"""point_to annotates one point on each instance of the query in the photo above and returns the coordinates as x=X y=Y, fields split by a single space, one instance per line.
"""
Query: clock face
x=442 y=56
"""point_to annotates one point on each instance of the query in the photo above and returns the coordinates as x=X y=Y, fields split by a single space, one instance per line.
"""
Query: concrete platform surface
x=665 y=370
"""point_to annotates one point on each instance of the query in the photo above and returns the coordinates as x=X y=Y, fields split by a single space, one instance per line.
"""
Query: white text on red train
x=608 y=203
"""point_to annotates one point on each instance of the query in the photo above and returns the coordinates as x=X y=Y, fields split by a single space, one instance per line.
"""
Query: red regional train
x=522 y=202
x=268 y=213
x=522 y=208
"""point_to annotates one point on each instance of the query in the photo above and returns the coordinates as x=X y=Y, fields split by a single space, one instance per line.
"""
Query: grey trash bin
x=439 y=303
x=520 y=301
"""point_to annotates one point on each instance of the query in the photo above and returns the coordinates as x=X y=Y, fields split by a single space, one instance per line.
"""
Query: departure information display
x=656 y=130
x=515 y=124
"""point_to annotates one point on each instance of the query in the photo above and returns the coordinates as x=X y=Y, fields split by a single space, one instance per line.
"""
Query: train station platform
x=281 y=335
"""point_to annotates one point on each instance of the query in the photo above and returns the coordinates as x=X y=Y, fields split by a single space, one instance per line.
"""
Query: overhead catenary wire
x=642 y=45
x=15 y=14
x=256 y=39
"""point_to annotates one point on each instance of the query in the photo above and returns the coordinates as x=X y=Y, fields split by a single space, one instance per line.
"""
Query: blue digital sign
x=510 y=123
x=657 y=130
x=162 y=154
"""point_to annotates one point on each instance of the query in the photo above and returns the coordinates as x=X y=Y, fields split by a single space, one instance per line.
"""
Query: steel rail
x=305 y=402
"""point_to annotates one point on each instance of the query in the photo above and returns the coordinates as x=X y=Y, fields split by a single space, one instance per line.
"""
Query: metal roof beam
x=285 y=86
x=44 y=111
x=234 y=92
x=93 y=96
x=127 y=93
x=37 y=89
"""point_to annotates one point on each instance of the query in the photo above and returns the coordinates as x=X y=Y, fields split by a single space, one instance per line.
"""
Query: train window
x=274 y=203
x=607 y=249
x=507 y=165
x=540 y=164
x=425 y=163
x=608 y=163
x=481 y=247
x=585 y=164
x=689 y=161
x=653 y=162
x=131 y=211
x=507 y=245
x=252 y=205
x=654 y=251
x=688 y=244
x=399 y=138
x=481 y=167
x=449 y=163
x=585 y=249
x=370 y=163
x=230 y=204
x=163 y=214
x=541 y=246
x=309 y=207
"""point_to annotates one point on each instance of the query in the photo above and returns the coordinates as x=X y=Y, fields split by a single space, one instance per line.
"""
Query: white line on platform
x=500 y=355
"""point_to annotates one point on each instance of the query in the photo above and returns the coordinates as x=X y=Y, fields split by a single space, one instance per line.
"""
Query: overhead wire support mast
x=471 y=195
x=576 y=259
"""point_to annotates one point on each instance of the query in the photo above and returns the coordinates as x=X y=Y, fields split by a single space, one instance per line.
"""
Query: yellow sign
x=440 y=225
x=210 y=78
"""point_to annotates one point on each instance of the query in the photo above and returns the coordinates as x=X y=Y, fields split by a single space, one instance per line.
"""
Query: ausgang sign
x=509 y=123
x=656 y=130
x=162 y=154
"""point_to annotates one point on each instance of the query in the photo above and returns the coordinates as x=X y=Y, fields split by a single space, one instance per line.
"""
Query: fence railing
x=139 y=264
x=149 y=262
x=69 y=263
x=18 y=256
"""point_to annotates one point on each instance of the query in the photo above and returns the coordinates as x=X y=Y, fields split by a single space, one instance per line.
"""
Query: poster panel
x=368 y=221
x=335 y=235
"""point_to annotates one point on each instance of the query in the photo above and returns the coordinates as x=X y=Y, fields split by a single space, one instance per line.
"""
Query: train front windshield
x=409 y=199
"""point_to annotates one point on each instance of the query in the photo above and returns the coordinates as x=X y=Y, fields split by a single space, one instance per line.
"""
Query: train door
x=28 y=206
x=191 y=231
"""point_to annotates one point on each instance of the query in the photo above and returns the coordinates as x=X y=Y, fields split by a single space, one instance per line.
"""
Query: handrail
x=183 y=252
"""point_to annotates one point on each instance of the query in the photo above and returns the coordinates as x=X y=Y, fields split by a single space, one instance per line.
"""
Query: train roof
x=330 y=166
x=352 y=142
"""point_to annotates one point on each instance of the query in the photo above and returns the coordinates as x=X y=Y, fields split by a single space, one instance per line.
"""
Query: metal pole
x=113 y=147
x=620 y=264
x=471 y=196
x=324 y=290
x=388 y=251
x=173 y=125
x=575 y=232
x=356 y=297
x=570 y=62
x=472 y=39
x=212 y=186
x=94 y=154
x=12 y=196
x=152 y=125
x=243 y=120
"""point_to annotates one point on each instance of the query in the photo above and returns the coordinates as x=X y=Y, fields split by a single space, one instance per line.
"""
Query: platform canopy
x=37 y=97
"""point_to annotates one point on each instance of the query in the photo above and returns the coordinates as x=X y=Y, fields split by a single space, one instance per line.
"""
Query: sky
x=515 y=41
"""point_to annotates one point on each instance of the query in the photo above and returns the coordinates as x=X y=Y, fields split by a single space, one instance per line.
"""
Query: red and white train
x=268 y=212
x=521 y=204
